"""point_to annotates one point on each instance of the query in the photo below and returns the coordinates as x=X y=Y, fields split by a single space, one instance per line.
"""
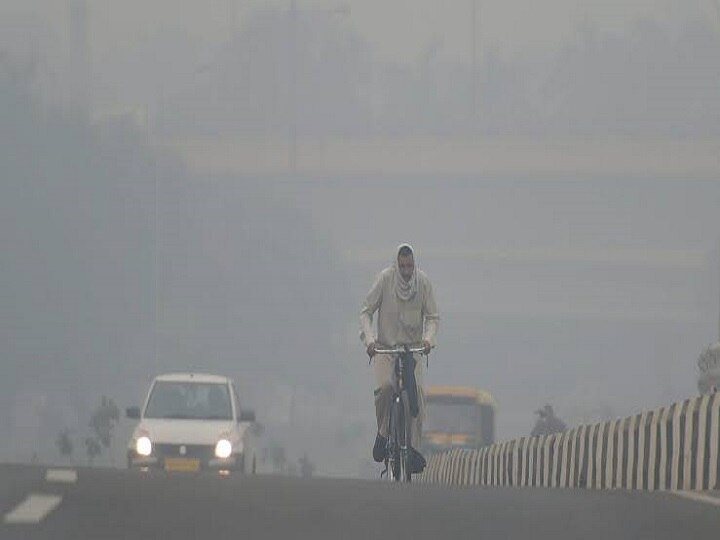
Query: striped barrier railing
x=670 y=448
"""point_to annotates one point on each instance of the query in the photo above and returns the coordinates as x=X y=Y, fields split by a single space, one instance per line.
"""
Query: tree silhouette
x=102 y=422
x=307 y=467
x=93 y=448
x=65 y=444
x=104 y=419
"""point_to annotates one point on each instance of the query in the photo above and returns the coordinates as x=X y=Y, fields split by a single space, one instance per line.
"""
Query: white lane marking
x=65 y=476
x=33 y=509
x=699 y=497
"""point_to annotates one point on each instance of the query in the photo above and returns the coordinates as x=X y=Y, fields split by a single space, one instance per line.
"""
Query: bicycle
x=397 y=451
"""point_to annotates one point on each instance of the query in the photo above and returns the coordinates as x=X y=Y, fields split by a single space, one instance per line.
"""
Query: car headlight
x=143 y=446
x=223 y=449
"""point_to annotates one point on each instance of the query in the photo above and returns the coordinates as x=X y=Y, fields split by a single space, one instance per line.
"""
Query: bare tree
x=307 y=467
x=65 y=444
x=102 y=423
x=93 y=448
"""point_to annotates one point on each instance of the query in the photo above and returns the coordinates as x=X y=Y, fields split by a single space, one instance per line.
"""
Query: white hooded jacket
x=400 y=321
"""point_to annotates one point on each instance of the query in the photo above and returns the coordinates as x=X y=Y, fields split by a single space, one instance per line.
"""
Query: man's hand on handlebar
x=427 y=346
x=371 y=350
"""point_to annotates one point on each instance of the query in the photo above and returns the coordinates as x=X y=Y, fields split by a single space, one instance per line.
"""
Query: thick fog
x=214 y=188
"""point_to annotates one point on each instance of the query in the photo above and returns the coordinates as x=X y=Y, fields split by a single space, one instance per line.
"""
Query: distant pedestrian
x=547 y=423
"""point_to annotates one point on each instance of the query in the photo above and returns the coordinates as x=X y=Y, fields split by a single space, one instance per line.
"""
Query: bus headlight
x=143 y=446
x=223 y=449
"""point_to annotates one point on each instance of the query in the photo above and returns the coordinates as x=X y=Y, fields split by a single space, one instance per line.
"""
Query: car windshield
x=189 y=401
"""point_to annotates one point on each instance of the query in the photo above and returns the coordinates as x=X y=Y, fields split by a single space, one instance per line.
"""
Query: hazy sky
x=592 y=293
x=397 y=29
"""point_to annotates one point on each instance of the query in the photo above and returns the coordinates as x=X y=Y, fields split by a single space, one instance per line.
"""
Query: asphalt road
x=116 y=504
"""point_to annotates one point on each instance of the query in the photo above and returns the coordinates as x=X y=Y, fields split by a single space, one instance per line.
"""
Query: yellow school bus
x=457 y=417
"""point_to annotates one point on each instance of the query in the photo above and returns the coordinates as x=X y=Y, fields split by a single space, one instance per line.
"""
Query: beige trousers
x=383 y=365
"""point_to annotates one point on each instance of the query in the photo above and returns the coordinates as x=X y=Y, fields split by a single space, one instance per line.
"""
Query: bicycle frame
x=399 y=432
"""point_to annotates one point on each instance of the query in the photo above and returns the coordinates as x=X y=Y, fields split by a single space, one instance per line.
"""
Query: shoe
x=417 y=461
x=380 y=448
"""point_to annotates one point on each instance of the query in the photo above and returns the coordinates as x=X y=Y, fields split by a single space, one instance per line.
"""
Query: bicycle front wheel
x=401 y=435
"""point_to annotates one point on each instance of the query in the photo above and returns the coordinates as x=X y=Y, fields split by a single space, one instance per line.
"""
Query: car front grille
x=199 y=451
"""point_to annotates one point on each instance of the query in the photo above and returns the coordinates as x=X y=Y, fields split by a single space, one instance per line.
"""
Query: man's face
x=406 y=265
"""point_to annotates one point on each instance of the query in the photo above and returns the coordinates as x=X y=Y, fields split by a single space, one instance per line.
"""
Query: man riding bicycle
x=407 y=315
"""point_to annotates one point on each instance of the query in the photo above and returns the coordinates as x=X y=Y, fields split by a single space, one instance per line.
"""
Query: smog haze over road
x=214 y=188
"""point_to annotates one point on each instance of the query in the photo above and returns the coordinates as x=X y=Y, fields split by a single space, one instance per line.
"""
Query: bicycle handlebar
x=398 y=350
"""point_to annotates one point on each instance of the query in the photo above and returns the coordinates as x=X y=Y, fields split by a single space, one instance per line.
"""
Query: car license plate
x=182 y=464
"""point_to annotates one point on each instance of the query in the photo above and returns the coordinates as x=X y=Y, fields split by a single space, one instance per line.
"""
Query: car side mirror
x=132 y=412
x=247 y=416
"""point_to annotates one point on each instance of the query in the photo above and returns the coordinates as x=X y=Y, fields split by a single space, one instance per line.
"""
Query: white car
x=192 y=422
